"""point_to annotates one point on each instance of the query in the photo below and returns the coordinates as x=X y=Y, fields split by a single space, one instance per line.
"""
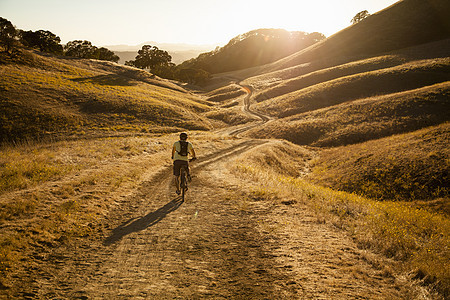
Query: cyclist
x=180 y=152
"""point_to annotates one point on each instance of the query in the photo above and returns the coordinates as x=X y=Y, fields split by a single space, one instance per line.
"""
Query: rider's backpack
x=183 y=148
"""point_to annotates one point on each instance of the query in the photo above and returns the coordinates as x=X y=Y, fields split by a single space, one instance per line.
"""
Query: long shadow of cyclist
x=135 y=225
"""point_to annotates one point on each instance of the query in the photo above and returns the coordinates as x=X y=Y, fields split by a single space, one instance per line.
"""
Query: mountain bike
x=184 y=179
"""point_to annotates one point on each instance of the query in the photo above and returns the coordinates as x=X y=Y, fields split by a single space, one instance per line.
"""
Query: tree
x=85 y=49
x=105 y=54
x=8 y=35
x=360 y=16
x=150 y=57
x=315 y=37
x=44 y=40
x=78 y=48
x=193 y=76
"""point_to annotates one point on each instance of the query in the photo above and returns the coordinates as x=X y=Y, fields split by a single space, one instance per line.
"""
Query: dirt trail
x=237 y=130
x=221 y=243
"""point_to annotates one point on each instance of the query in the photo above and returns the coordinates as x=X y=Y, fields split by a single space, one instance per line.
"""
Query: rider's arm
x=193 y=153
x=173 y=151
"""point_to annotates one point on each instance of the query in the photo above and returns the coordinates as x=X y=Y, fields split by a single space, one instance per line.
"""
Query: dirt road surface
x=221 y=243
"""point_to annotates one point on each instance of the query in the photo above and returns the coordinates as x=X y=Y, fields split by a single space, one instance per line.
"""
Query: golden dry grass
x=407 y=167
x=349 y=88
x=415 y=238
x=364 y=119
x=225 y=93
x=310 y=75
x=45 y=96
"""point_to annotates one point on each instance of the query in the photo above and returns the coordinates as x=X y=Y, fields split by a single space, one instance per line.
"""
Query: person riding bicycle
x=180 y=152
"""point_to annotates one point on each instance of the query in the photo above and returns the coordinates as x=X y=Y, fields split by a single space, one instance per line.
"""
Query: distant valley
x=179 y=52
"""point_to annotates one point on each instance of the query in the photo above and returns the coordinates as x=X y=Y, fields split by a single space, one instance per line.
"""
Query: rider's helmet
x=183 y=136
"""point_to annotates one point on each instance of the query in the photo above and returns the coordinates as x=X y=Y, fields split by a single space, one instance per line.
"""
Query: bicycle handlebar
x=192 y=159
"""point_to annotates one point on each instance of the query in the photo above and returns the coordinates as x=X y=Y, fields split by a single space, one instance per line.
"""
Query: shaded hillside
x=409 y=167
x=404 y=24
x=347 y=88
x=48 y=96
x=281 y=82
x=385 y=95
x=364 y=119
x=253 y=48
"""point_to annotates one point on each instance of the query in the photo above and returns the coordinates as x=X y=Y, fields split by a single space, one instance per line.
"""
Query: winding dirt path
x=237 y=130
x=221 y=243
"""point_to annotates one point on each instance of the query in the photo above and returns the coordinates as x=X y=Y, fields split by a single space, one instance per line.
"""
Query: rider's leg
x=176 y=173
x=177 y=183
x=188 y=173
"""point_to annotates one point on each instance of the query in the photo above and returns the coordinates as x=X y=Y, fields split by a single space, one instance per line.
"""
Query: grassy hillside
x=47 y=96
x=347 y=88
x=378 y=105
x=406 y=23
x=414 y=239
x=412 y=166
x=364 y=119
x=254 y=48
x=281 y=82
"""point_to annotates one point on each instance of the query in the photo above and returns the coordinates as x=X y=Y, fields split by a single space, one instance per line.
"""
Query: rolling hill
x=383 y=77
x=44 y=96
x=357 y=131
x=254 y=48
x=406 y=23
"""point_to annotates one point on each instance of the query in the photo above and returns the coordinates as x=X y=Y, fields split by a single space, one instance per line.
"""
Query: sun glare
x=177 y=21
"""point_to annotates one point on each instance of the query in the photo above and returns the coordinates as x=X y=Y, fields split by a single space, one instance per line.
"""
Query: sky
x=198 y=22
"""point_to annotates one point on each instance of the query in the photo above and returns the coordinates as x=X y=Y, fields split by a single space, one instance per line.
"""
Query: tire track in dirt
x=219 y=244
x=206 y=247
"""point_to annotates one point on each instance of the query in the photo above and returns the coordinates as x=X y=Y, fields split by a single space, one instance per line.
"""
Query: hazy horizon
x=198 y=22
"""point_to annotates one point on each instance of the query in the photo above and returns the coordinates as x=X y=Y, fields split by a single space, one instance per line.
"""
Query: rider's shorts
x=177 y=166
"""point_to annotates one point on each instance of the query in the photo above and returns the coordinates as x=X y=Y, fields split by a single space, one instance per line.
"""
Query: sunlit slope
x=273 y=84
x=364 y=119
x=412 y=166
x=44 y=95
x=348 y=88
x=329 y=103
x=406 y=23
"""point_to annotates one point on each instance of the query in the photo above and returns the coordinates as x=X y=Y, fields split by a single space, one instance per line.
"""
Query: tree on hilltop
x=78 y=48
x=8 y=35
x=254 y=48
x=150 y=57
x=43 y=39
x=85 y=49
x=105 y=54
x=360 y=16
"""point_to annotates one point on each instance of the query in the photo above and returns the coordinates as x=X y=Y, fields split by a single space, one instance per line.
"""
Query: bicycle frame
x=183 y=179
